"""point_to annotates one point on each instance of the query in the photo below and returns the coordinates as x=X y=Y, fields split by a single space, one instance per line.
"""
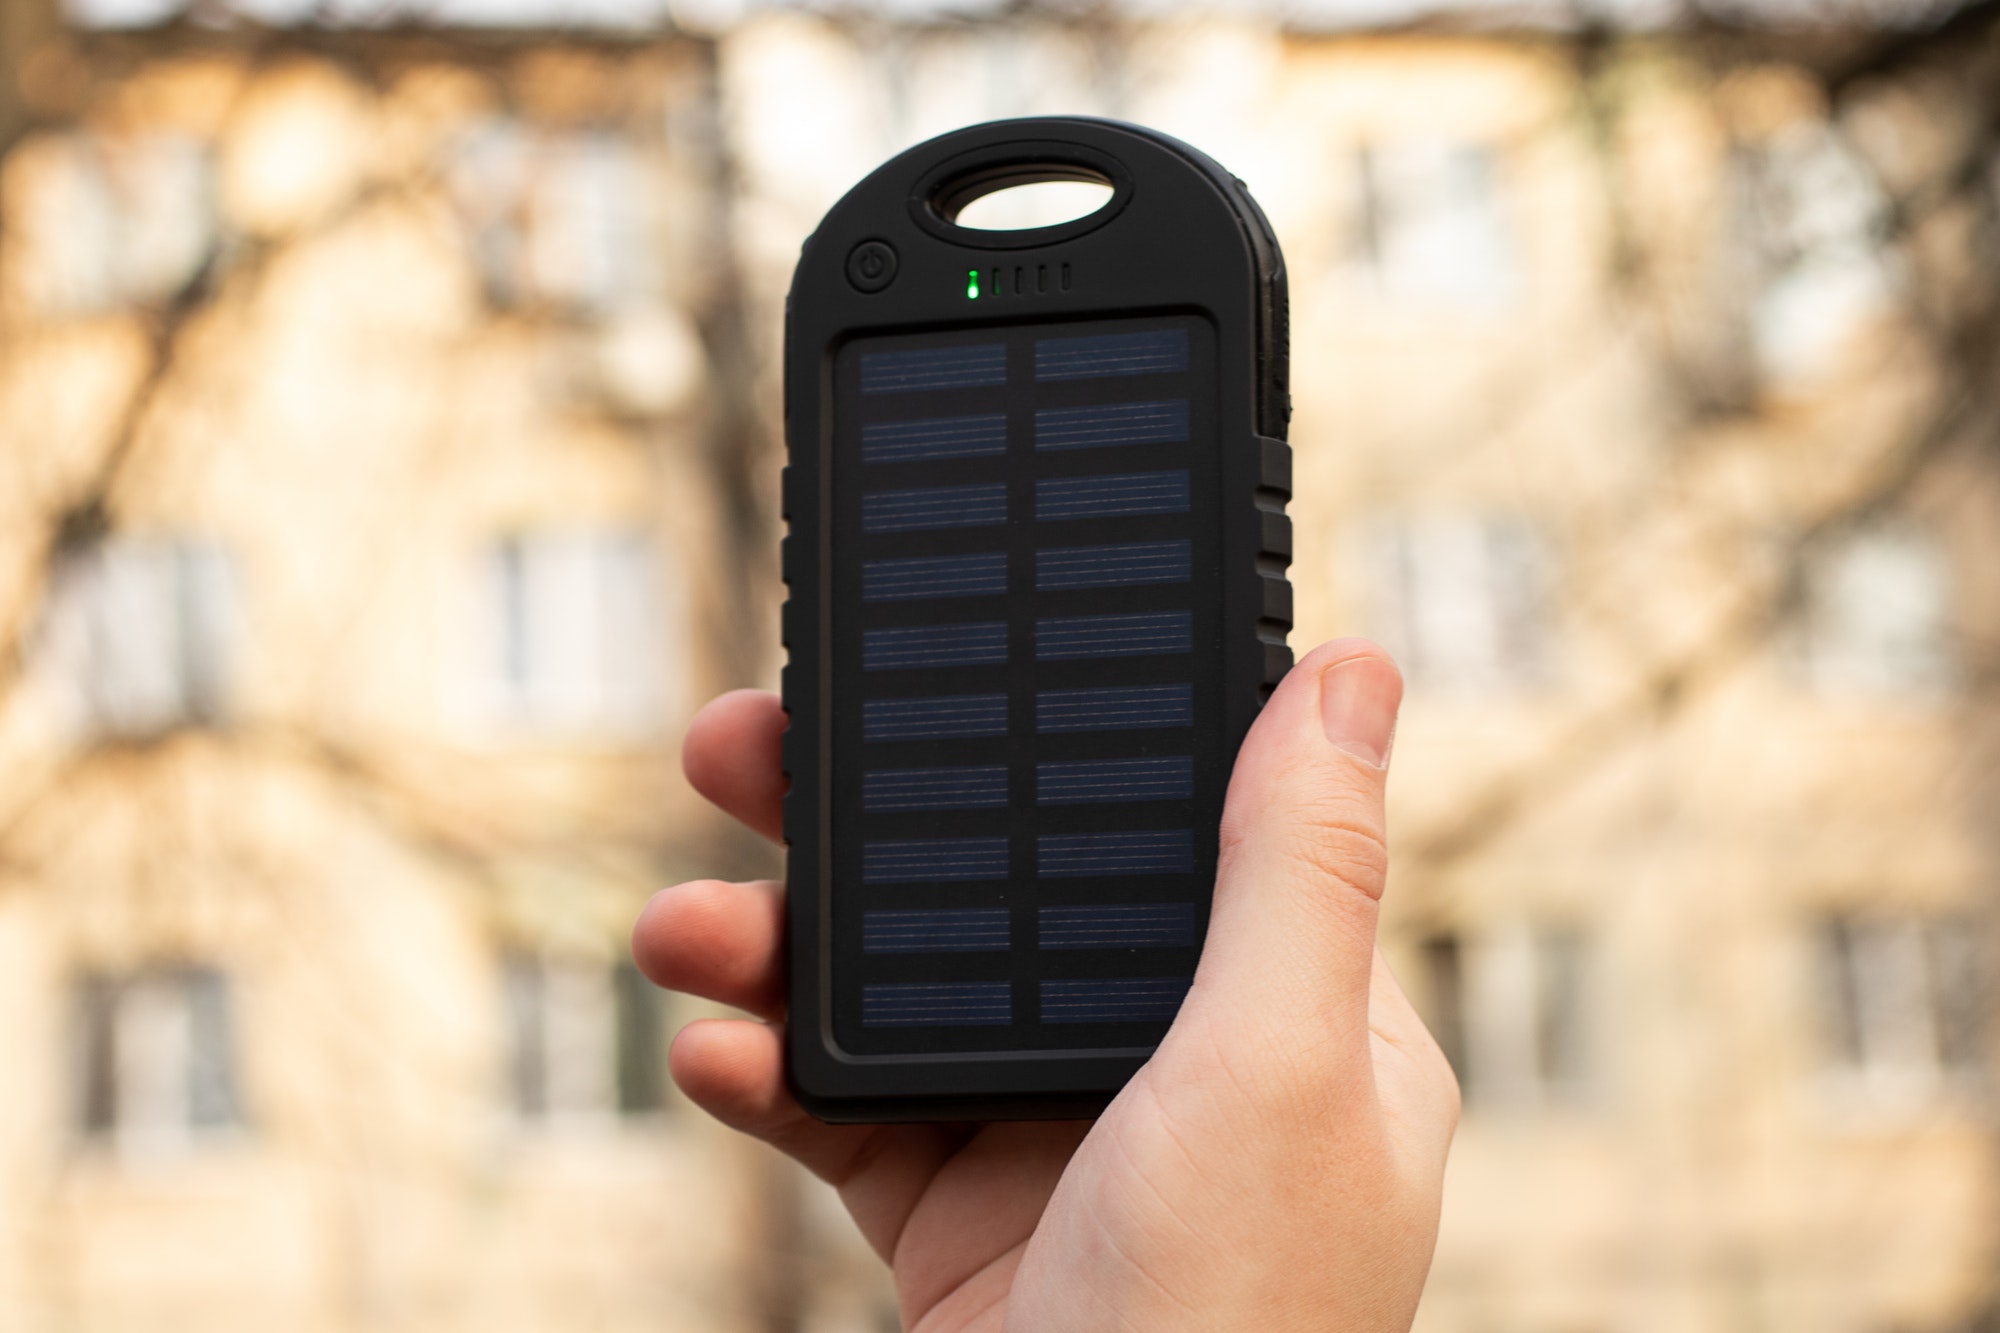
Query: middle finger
x=717 y=940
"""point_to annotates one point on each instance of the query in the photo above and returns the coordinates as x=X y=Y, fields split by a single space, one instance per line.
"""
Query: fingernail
x=1357 y=705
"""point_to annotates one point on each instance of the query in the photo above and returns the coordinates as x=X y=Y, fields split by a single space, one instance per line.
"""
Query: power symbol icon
x=871 y=265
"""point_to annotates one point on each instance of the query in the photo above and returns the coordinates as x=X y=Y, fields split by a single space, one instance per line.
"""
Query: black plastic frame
x=952 y=184
x=1180 y=235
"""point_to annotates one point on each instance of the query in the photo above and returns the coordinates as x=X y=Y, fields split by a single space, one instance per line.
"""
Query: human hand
x=1277 y=1164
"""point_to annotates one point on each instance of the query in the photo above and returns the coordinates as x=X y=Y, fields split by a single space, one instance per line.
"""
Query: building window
x=1810 y=219
x=139 y=635
x=112 y=223
x=571 y=640
x=156 y=1060
x=1461 y=600
x=1428 y=226
x=586 y=1041
x=1903 y=1001
x=1510 y=1010
x=559 y=220
x=1444 y=976
x=1877 y=615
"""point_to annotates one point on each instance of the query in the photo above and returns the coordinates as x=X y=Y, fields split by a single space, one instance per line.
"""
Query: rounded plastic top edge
x=1091 y=143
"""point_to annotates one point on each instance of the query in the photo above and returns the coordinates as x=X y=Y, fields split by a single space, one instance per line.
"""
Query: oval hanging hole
x=1023 y=198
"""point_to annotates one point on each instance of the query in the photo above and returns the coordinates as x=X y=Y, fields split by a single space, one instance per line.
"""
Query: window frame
x=1901 y=1040
x=632 y=1086
x=1515 y=1009
x=605 y=673
x=119 y=1027
x=95 y=640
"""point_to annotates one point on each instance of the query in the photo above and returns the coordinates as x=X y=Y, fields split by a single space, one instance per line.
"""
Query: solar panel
x=1085 y=533
x=1035 y=602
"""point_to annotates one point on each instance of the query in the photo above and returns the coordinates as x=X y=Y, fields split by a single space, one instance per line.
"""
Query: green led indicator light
x=972 y=284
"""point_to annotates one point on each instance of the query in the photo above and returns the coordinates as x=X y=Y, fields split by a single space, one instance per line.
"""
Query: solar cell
x=1149 y=852
x=1059 y=499
x=934 y=438
x=1115 y=708
x=949 y=930
x=945 y=717
x=960 y=1004
x=976 y=506
x=983 y=574
x=1135 y=634
x=1109 y=425
x=1118 y=926
x=1093 y=781
x=974 y=788
x=1112 y=355
x=1112 y=566
x=983 y=643
x=1113 y=999
x=913 y=860
x=931 y=368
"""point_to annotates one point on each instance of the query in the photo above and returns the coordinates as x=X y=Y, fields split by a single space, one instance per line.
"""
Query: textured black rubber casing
x=1036 y=559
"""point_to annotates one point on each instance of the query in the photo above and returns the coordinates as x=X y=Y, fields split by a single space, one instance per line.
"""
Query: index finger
x=732 y=755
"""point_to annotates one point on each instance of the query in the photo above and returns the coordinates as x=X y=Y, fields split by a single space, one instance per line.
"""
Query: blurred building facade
x=389 y=430
x=358 y=547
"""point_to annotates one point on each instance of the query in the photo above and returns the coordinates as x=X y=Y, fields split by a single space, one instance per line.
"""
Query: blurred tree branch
x=27 y=29
x=1957 y=314
x=88 y=512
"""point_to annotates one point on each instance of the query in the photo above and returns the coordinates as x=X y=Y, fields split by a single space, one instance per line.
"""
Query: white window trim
x=1851 y=643
x=158 y=1046
x=1509 y=976
x=140 y=635
x=1462 y=600
x=567 y=221
x=566 y=1029
x=575 y=637
x=1429 y=229
x=1881 y=1015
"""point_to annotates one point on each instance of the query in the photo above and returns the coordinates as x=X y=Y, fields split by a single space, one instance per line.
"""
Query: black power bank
x=1036 y=560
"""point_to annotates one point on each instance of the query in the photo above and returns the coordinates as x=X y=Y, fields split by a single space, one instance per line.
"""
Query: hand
x=1278 y=1163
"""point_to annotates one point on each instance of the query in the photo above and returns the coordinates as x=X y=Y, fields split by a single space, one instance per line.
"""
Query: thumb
x=1303 y=862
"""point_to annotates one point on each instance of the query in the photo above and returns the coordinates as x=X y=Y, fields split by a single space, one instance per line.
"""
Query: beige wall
x=350 y=417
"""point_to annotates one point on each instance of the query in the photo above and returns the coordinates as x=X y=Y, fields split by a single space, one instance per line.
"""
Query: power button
x=871 y=265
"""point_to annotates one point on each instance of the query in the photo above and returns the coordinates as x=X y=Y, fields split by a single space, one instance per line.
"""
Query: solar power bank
x=1036 y=560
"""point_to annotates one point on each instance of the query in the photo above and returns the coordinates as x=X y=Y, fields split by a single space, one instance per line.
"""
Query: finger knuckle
x=1335 y=849
x=1325 y=824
